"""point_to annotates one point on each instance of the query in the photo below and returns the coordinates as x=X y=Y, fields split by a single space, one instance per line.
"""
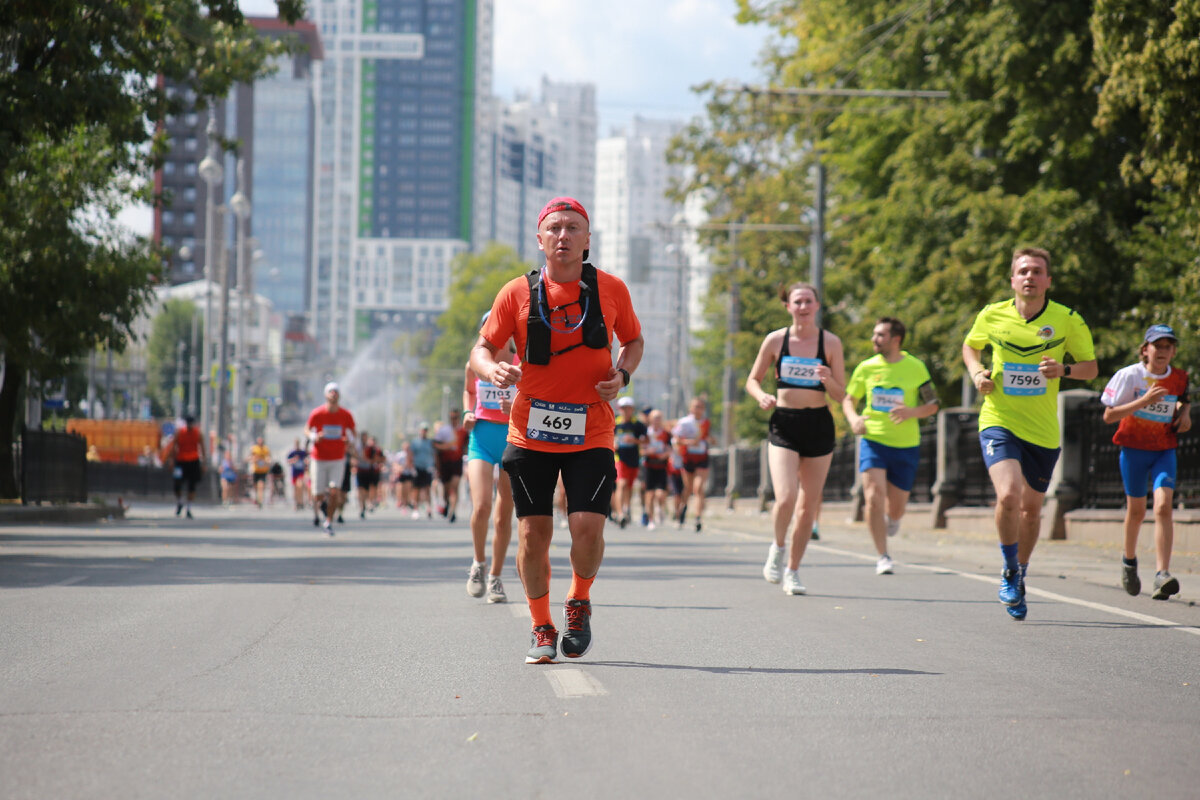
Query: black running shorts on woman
x=808 y=431
x=588 y=477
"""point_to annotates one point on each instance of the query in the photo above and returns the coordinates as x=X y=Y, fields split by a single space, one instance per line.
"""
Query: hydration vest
x=537 y=332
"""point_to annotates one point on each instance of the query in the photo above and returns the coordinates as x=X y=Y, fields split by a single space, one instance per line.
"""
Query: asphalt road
x=243 y=654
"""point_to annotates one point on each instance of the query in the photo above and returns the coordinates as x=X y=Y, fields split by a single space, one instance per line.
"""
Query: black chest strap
x=537 y=331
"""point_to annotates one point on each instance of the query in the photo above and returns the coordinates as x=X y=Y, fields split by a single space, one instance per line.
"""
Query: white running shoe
x=475 y=580
x=495 y=590
x=415 y=514
x=651 y=526
x=893 y=525
x=791 y=582
x=884 y=565
x=773 y=569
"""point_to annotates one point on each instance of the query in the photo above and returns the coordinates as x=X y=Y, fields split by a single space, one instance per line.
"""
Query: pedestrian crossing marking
x=572 y=683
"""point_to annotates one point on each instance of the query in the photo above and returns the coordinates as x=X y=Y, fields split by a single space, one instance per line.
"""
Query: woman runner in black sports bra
x=809 y=372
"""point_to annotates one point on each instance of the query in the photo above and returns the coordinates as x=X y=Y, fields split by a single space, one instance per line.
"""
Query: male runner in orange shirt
x=187 y=451
x=562 y=318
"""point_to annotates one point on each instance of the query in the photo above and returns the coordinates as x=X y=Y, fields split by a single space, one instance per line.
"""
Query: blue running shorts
x=488 y=440
x=1142 y=467
x=900 y=462
x=1037 y=463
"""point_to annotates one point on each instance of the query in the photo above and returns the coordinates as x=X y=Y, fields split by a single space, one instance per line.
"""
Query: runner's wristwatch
x=624 y=375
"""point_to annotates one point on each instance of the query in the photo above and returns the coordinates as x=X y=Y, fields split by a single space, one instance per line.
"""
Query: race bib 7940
x=887 y=399
x=560 y=423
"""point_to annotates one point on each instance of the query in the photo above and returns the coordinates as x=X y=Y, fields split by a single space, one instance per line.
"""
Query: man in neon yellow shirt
x=899 y=392
x=1018 y=424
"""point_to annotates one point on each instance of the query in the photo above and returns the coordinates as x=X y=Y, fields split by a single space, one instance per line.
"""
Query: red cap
x=562 y=204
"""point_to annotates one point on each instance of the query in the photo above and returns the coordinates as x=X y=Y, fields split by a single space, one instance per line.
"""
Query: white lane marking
x=71 y=581
x=1062 y=598
x=570 y=683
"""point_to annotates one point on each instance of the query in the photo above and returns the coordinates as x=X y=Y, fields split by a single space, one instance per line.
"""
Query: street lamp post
x=223 y=373
x=211 y=172
x=241 y=208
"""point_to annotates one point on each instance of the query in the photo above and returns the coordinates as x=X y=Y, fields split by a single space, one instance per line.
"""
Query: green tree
x=476 y=279
x=927 y=198
x=169 y=344
x=80 y=99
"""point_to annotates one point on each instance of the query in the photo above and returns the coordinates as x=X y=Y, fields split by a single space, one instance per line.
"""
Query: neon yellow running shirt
x=886 y=386
x=1024 y=401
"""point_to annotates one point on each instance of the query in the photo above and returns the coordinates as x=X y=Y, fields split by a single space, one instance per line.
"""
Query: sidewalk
x=58 y=514
x=1094 y=562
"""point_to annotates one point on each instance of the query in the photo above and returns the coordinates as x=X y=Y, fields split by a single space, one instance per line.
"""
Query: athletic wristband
x=1066 y=370
x=624 y=375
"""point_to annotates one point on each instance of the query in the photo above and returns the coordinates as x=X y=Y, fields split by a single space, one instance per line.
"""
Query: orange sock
x=581 y=588
x=539 y=610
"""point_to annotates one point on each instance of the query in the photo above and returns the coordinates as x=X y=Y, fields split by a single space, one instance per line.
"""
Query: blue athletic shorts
x=1142 y=467
x=900 y=462
x=488 y=440
x=1037 y=463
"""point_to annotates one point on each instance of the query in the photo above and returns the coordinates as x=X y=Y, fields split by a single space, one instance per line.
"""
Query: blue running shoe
x=1018 y=611
x=1012 y=590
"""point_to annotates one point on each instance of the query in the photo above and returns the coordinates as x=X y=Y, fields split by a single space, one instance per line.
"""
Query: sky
x=643 y=57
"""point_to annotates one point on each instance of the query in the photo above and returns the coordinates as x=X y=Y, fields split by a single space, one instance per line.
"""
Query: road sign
x=256 y=408
x=230 y=375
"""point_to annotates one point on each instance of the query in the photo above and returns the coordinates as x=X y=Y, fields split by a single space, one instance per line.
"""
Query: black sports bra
x=793 y=372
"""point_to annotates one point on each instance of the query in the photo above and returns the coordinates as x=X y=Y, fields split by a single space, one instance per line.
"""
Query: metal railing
x=53 y=467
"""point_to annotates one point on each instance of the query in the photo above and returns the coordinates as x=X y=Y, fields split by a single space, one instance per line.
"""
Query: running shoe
x=188 y=514
x=1012 y=589
x=577 y=639
x=816 y=534
x=178 y=509
x=543 y=645
x=773 y=569
x=651 y=526
x=475 y=584
x=341 y=519
x=1165 y=585
x=622 y=522
x=362 y=513
x=1018 y=611
x=1130 y=579
x=453 y=516
x=698 y=526
x=328 y=528
x=645 y=519
x=495 y=590
x=884 y=565
x=893 y=526
x=791 y=583
x=415 y=514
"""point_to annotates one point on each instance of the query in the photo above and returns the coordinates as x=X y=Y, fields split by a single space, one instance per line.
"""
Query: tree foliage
x=927 y=198
x=171 y=328
x=476 y=279
x=80 y=102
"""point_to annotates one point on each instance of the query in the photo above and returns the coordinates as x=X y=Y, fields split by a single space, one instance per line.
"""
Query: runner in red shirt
x=1149 y=401
x=563 y=319
x=187 y=452
x=330 y=428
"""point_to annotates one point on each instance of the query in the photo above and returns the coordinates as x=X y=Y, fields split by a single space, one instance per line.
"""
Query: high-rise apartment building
x=272 y=121
x=397 y=158
x=539 y=149
x=643 y=238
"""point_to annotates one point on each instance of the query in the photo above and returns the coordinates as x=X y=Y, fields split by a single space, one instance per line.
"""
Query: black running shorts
x=588 y=477
x=807 y=431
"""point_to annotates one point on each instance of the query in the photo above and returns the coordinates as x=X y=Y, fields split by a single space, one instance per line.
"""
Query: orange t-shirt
x=187 y=444
x=559 y=389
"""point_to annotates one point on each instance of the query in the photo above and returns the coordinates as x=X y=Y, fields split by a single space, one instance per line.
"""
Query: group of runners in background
x=539 y=432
